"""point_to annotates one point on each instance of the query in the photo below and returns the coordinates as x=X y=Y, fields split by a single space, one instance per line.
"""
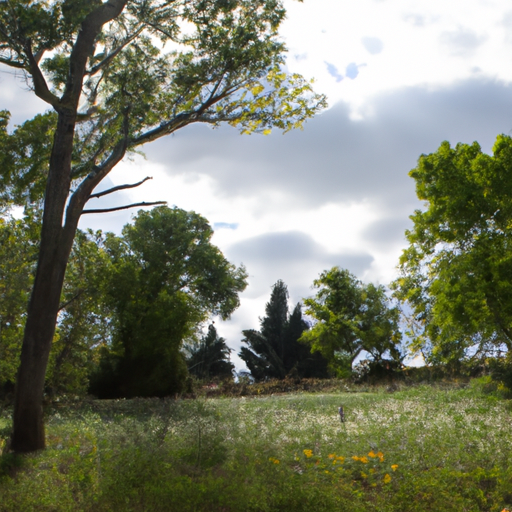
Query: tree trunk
x=56 y=237
x=56 y=242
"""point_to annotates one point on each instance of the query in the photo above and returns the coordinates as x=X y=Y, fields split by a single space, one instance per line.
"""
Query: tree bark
x=56 y=237
x=43 y=308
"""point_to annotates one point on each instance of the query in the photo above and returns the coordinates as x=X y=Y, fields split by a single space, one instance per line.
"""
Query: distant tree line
x=134 y=308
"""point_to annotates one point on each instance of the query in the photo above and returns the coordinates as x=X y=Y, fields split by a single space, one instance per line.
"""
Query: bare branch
x=120 y=187
x=66 y=304
x=134 y=205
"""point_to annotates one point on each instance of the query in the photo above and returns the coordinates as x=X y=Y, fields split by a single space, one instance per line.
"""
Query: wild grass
x=422 y=448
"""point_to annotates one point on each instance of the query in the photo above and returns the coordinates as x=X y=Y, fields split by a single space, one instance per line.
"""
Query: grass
x=422 y=448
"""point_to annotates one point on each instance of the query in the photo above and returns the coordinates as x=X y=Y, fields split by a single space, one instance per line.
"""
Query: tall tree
x=456 y=274
x=209 y=357
x=118 y=74
x=274 y=350
x=351 y=317
x=166 y=278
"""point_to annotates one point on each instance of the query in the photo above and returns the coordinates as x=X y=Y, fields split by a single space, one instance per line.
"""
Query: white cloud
x=337 y=192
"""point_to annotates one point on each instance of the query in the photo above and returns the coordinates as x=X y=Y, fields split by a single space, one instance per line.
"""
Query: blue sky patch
x=333 y=71
x=225 y=225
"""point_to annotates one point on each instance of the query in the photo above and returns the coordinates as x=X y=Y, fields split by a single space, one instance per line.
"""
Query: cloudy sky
x=401 y=76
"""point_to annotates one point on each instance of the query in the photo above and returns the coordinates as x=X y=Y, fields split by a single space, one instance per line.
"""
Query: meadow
x=422 y=448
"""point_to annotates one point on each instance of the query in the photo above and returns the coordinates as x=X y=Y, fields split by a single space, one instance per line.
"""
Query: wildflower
x=380 y=455
x=387 y=478
x=326 y=471
x=372 y=455
x=340 y=459
x=276 y=461
x=394 y=467
x=364 y=475
x=308 y=453
x=331 y=455
x=355 y=457
x=364 y=460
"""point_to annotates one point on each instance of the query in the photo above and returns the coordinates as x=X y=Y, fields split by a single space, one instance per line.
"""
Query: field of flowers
x=417 y=449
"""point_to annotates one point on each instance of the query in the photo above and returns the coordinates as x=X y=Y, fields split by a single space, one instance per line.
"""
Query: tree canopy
x=209 y=358
x=165 y=279
x=351 y=317
x=274 y=351
x=456 y=274
x=117 y=75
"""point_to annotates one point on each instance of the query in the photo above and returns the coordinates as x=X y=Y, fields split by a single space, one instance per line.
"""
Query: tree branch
x=66 y=304
x=120 y=187
x=12 y=63
x=134 y=205
x=40 y=86
x=90 y=28
x=113 y=54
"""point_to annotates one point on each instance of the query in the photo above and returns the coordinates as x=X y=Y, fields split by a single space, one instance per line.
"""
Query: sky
x=401 y=76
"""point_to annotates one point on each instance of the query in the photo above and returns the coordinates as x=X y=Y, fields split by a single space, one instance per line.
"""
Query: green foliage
x=25 y=155
x=84 y=320
x=146 y=78
x=456 y=274
x=417 y=449
x=209 y=357
x=18 y=256
x=351 y=317
x=166 y=278
x=274 y=351
x=83 y=316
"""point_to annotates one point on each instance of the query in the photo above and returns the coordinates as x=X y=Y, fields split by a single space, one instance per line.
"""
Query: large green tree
x=351 y=317
x=456 y=274
x=274 y=351
x=166 y=278
x=116 y=75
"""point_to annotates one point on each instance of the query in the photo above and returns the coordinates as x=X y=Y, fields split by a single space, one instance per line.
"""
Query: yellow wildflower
x=331 y=455
x=394 y=467
x=355 y=457
x=276 y=461
x=387 y=478
x=308 y=453
x=381 y=456
x=340 y=459
x=364 y=460
x=372 y=455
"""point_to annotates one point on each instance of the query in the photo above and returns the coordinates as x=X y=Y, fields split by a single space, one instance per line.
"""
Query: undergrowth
x=417 y=449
